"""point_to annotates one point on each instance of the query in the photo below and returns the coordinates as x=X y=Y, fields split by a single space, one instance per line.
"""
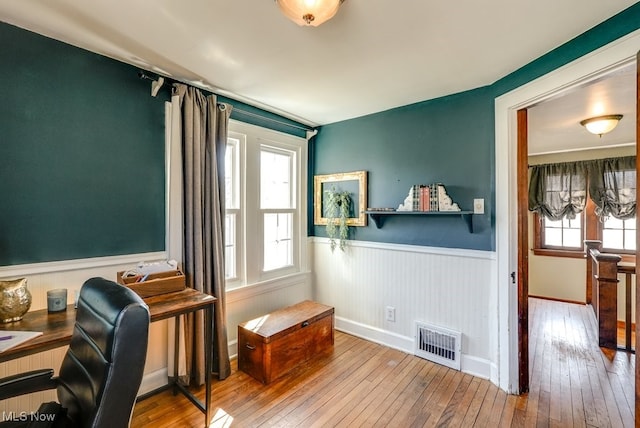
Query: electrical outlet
x=478 y=206
x=390 y=313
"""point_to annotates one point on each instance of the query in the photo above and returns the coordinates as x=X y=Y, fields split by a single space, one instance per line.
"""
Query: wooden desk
x=58 y=327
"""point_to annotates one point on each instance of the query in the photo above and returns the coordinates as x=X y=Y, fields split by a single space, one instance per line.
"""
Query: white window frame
x=236 y=209
x=291 y=153
x=249 y=224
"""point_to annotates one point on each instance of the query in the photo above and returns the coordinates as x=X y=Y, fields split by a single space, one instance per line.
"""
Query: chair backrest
x=102 y=370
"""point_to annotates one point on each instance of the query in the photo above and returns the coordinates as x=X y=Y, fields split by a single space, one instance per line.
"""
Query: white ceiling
x=372 y=56
x=554 y=125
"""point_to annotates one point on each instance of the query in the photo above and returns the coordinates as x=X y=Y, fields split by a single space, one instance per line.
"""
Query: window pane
x=613 y=223
x=612 y=238
x=572 y=238
x=630 y=224
x=275 y=180
x=574 y=223
x=278 y=247
x=552 y=223
x=619 y=234
x=231 y=173
x=565 y=233
x=230 y=245
x=630 y=239
x=553 y=237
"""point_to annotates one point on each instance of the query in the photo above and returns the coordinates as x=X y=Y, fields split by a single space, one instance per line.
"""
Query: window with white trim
x=277 y=206
x=265 y=223
x=232 y=205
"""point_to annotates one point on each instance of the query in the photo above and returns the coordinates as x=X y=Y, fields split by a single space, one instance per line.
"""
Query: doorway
x=606 y=60
x=551 y=262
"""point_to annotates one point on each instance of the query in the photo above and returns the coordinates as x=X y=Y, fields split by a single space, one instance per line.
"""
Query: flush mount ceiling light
x=601 y=124
x=309 y=12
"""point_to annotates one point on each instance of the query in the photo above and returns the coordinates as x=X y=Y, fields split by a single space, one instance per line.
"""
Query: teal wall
x=448 y=140
x=418 y=144
x=82 y=153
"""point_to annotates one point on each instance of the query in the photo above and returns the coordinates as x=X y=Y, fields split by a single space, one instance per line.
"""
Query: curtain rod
x=145 y=76
x=291 y=125
x=582 y=160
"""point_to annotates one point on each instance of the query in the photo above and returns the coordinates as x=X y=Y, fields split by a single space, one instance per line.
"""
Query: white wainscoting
x=246 y=303
x=452 y=288
x=71 y=275
x=448 y=287
x=242 y=304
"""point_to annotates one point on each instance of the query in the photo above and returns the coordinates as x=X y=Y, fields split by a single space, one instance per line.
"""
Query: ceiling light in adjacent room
x=309 y=12
x=601 y=124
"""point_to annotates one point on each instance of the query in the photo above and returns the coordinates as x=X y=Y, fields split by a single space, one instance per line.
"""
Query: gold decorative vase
x=15 y=300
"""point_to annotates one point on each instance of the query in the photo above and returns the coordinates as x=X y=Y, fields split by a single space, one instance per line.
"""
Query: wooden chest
x=272 y=345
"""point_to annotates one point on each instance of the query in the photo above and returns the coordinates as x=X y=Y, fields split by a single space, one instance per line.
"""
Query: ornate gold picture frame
x=352 y=182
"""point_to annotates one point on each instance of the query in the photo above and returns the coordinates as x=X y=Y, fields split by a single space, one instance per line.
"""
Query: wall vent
x=438 y=344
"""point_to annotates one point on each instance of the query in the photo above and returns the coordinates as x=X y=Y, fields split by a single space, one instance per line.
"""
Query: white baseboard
x=232 y=348
x=154 y=380
x=376 y=335
x=474 y=366
x=478 y=367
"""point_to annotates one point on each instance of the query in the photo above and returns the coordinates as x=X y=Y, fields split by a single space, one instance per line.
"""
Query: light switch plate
x=478 y=206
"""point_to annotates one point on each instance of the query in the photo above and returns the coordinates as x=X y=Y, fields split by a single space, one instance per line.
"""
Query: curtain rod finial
x=156 y=85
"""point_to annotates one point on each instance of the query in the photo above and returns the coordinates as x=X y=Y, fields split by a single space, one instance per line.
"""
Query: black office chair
x=101 y=372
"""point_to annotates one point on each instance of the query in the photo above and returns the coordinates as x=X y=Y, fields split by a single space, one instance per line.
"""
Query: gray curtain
x=558 y=190
x=612 y=186
x=204 y=139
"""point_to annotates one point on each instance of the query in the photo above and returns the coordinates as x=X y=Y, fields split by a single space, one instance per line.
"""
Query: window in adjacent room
x=562 y=234
x=619 y=235
x=559 y=238
x=560 y=190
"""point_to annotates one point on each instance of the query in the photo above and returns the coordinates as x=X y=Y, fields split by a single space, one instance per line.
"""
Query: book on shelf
x=433 y=197
x=424 y=198
x=12 y=338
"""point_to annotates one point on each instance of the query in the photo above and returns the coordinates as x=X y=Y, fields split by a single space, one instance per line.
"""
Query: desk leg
x=176 y=353
x=208 y=361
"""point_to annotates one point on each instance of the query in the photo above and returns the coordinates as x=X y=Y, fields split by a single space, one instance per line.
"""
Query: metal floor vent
x=438 y=344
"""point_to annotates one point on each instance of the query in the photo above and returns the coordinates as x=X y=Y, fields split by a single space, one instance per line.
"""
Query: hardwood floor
x=573 y=383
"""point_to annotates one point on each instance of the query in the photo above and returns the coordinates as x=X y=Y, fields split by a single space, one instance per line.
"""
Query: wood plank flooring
x=362 y=384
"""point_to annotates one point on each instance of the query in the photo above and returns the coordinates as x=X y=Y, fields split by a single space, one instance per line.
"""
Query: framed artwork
x=353 y=182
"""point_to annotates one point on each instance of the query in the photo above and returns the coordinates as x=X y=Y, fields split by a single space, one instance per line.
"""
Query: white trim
x=232 y=348
x=268 y=286
x=469 y=364
x=67 y=265
x=173 y=161
x=441 y=251
x=478 y=367
x=376 y=335
x=250 y=212
x=619 y=53
x=154 y=380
